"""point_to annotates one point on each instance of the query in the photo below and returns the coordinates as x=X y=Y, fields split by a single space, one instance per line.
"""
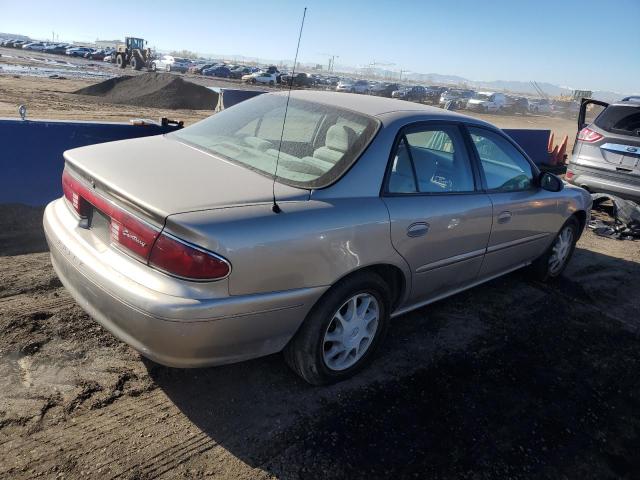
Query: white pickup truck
x=487 y=102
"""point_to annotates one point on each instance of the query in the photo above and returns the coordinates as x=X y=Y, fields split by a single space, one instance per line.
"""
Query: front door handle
x=504 y=217
x=417 y=229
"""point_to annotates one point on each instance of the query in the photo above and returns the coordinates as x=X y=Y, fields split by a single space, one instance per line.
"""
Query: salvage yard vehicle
x=170 y=63
x=606 y=155
x=133 y=52
x=78 y=51
x=416 y=93
x=487 y=102
x=261 y=77
x=235 y=238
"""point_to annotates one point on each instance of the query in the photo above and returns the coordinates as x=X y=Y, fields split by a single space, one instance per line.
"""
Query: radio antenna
x=275 y=207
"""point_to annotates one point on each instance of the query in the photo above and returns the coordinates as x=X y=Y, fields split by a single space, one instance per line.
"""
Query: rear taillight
x=127 y=232
x=71 y=188
x=175 y=257
x=588 y=135
x=144 y=241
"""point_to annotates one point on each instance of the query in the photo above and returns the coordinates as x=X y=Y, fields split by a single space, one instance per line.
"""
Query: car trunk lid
x=158 y=176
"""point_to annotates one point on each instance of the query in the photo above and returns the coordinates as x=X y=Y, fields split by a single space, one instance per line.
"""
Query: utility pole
x=332 y=60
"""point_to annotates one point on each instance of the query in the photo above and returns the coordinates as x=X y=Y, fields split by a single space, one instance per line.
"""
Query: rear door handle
x=417 y=229
x=504 y=217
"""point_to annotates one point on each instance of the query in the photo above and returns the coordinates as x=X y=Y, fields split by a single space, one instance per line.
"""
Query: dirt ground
x=511 y=379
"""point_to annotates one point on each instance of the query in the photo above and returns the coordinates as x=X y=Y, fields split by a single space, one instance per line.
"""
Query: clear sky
x=577 y=43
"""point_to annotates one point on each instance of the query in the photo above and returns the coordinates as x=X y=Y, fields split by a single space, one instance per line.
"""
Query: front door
x=440 y=222
x=524 y=215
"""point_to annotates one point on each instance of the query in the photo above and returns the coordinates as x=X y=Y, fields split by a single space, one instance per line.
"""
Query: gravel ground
x=511 y=379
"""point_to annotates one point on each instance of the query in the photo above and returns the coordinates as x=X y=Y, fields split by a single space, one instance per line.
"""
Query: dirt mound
x=155 y=90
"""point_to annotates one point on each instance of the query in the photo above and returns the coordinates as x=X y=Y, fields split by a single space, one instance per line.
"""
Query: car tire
x=555 y=259
x=168 y=68
x=154 y=67
x=309 y=351
x=271 y=83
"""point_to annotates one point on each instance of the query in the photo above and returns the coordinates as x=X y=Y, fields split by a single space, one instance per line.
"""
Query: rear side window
x=620 y=119
x=431 y=160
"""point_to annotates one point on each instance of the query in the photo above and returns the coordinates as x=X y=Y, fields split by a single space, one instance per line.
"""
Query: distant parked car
x=300 y=79
x=95 y=55
x=384 y=89
x=519 y=105
x=170 y=63
x=384 y=211
x=38 y=46
x=416 y=93
x=351 y=86
x=56 y=49
x=238 y=72
x=487 y=102
x=458 y=97
x=260 y=77
x=606 y=155
x=219 y=71
x=78 y=51
x=540 y=106
x=199 y=67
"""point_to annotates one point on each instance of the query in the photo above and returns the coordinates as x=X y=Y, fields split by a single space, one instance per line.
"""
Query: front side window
x=319 y=142
x=505 y=168
x=431 y=160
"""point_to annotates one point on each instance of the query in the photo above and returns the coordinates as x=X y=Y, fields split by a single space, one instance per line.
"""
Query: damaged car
x=606 y=154
x=244 y=235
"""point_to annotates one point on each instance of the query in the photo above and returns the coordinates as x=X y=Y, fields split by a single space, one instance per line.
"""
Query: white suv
x=487 y=102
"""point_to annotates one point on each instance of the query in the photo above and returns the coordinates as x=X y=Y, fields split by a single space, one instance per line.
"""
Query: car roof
x=377 y=106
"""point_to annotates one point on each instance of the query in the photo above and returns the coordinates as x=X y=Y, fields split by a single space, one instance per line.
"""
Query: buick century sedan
x=235 y=237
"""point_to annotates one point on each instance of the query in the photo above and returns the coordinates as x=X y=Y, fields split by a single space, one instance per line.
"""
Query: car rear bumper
x=602 y=181
x=171 y=330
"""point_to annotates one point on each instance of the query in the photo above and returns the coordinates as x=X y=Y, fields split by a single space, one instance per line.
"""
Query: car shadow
x=511 y=378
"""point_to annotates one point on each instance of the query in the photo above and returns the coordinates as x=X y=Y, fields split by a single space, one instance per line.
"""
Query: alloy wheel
x=560 y=250
x=351 y=331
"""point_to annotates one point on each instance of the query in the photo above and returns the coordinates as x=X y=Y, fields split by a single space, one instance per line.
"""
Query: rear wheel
x=120 y=61
x=553 y=262
x=341 y=333
x=168 y=68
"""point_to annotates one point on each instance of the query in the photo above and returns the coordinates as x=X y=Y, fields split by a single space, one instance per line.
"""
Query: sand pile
x=155 y=90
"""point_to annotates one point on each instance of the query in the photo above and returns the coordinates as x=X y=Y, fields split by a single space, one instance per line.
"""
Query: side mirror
x=550 y=182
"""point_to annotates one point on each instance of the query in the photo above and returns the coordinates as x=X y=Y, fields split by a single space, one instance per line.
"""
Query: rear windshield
x=319 y=142
x=621 y=119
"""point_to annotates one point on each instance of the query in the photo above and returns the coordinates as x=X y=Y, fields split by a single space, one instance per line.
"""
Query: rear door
x=440 y=220
x=525 y=217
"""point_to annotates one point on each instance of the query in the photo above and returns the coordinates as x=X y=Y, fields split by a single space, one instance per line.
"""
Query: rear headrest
x=258 y=143
x=340 y=137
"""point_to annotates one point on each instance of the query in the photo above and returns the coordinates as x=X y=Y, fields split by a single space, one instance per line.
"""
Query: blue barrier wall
x=31 y=151
x=534 y=142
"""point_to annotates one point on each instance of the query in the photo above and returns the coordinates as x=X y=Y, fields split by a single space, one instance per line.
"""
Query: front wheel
x=168 y=69
x=553 y=262
x=341 y=333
